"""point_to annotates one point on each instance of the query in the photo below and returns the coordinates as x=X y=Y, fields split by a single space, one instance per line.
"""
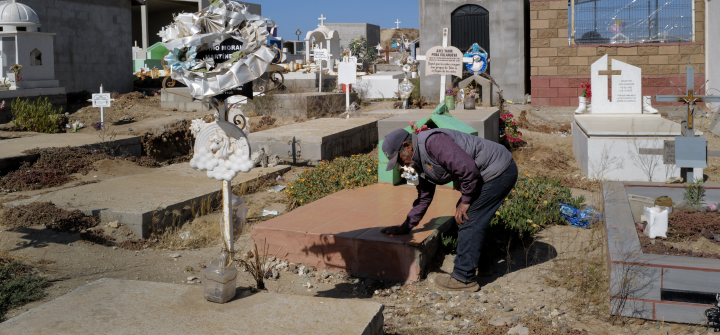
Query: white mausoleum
x=23 y=42
x=324 y=38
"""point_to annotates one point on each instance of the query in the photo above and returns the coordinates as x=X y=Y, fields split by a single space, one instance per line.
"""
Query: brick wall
x=557 y=68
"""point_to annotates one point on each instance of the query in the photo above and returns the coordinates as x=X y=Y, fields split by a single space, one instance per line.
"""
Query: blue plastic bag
x=581 y=218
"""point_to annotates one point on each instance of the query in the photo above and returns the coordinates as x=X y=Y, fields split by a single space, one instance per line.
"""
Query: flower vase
x=450 y=102
x=469 y=103
x=413 y=74
x=583 y=105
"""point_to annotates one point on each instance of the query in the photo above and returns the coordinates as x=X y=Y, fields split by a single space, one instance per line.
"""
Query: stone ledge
x=113 y=306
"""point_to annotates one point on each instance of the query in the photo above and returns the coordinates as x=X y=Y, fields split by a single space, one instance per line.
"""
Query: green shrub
x=18 y=286
x=449 y=242
x=695 y=192
x=330 y=177
x=38 y=116
x=533 y=204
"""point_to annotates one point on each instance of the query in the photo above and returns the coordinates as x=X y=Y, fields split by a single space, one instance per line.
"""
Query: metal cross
x=690 y=146
x=298 y=33
x=322 y=19
x=690 y=99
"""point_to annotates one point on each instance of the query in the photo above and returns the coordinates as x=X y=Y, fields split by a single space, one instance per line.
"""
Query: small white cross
x=379 y=47
x=322 y=19
x=398 y=23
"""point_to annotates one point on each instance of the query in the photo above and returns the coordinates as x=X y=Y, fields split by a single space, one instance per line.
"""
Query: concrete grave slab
x=309 y=104
x=486 y=120
x=167 y=193
x=342 y=232
x=664 y=287
x=113 y=306
x=607 y=146
x=179 y=98
x=319 y=139
x=12 y=156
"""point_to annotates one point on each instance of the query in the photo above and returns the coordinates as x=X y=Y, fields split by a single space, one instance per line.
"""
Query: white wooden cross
x=101 y=100
x=398 y=24
x=322 y=19
x=442 y=78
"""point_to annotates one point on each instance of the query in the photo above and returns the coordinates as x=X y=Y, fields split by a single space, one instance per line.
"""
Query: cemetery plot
x=140 y=200
x=319 y=139
x=177 y=310
x=342 y=232
x=671 y=286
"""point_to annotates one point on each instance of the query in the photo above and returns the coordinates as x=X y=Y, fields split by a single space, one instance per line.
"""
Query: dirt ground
x=386 y=35
x=536 y=285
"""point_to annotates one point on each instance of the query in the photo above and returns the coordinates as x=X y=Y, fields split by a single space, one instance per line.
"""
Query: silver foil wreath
x=191 y=33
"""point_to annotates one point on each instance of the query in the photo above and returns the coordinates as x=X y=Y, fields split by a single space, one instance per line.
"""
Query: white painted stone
x=607 y=147
x=382 y=85
x=626 y=88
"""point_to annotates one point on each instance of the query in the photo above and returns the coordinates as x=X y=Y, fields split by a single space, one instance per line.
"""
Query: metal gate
x=470 y=24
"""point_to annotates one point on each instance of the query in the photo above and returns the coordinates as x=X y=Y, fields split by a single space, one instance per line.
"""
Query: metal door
x=470 y=24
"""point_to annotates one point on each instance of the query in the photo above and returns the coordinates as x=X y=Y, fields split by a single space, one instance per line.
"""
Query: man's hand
x=461 y=213
x=395 y=230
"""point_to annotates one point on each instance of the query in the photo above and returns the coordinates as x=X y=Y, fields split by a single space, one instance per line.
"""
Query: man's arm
x=454 y=159
x=426 y=192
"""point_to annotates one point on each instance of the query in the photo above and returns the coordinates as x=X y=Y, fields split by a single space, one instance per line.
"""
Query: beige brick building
x=557 y=68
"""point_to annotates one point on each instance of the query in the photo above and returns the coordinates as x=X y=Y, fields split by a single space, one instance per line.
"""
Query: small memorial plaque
x=321 y=54
x=347 y=73
x=444 y=61
x=101 y=100
x=669 y=152
x=221 y=53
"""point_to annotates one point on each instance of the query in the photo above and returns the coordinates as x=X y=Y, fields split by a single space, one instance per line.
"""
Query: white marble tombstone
x=626 y=91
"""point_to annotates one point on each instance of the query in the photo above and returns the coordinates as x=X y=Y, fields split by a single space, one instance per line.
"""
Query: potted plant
x=450 y=95
x=470 y=96
x=583 y=98
x=5 y=84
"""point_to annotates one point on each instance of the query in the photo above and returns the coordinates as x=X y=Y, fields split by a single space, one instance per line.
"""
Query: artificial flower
x=182 y=59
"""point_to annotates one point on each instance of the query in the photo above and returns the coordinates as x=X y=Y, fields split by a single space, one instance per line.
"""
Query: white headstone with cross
x=101 y=100
x=626 y=91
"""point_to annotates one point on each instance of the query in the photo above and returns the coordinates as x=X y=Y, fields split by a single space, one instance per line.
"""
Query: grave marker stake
x=101 y=100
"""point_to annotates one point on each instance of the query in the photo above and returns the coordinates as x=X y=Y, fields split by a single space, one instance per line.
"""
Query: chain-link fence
x=631 y=21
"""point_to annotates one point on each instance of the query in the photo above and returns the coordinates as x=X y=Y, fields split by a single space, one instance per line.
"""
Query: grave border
x=654 y=277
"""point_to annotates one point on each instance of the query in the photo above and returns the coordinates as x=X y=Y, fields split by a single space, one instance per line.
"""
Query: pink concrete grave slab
x=342 y=232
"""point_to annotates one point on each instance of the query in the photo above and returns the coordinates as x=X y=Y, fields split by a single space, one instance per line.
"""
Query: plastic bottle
x=219 y=281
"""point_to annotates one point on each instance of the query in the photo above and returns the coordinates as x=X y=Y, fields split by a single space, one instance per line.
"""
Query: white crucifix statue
x=101 y=100
x=322 y=19
x=398 y=24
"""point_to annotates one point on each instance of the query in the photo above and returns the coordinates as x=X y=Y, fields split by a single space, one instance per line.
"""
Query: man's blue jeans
x=471 y=234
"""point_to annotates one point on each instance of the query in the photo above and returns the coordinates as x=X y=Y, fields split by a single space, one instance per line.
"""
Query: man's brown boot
x=448 y=283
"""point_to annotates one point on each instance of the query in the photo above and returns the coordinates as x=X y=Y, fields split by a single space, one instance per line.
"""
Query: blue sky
x=290 y=15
